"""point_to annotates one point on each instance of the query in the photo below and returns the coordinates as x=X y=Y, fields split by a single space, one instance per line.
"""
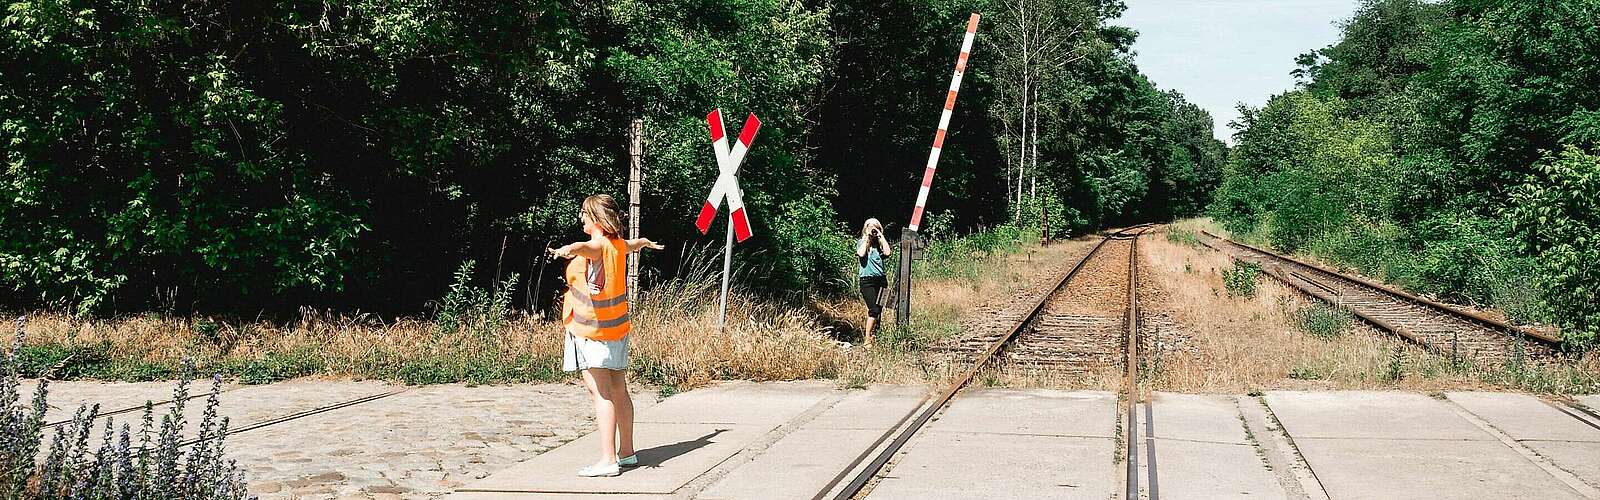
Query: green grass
x=1182 y=236
x=1321 y=320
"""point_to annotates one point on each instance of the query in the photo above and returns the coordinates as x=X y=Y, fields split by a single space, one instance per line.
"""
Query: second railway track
x=1436 y=326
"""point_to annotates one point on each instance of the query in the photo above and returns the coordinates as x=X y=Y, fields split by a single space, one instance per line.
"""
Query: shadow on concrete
x=654 y=457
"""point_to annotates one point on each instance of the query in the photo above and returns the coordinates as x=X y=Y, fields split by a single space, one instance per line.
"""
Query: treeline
x=1449 y=146
x=258 y=157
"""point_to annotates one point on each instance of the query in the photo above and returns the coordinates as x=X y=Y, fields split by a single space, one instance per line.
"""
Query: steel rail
x=1130 y=383
x=153 y=405
x=856 y=485
x=299 y=415
x=1468 y=316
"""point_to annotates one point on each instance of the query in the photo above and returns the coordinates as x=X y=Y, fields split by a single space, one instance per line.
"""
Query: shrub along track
x=1095 y=300
x=1436 y=326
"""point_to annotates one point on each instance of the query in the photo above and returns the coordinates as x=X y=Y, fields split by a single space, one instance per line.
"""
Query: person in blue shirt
x=870 y=251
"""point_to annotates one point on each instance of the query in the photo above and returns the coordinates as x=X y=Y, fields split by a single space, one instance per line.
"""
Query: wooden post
x=902 y=279
x=635 y=176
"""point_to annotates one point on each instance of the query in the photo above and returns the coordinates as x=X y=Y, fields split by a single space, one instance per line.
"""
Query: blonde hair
x=602 y=211
x=867 y=226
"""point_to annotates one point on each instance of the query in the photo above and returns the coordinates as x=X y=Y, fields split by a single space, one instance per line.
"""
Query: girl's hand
x=653 y=245
x=559 y=253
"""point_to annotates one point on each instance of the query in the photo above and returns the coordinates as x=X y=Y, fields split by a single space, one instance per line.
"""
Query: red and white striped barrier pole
x=944 y=122
x=903 y=272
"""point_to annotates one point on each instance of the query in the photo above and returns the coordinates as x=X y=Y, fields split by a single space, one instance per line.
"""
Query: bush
x=1241 y=280
x=156 y=468
x=1555 y=215
x=946 y=256
x=811 y=253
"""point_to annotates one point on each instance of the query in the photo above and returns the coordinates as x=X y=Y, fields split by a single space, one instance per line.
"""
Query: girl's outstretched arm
x=589 y=249
x=637 y=244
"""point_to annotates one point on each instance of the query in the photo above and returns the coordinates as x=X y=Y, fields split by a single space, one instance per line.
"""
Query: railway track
x=1436 y=326
x=1088 y=321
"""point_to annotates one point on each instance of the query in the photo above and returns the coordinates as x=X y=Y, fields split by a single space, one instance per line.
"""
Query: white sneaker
x=601 y=470
x=629 y=461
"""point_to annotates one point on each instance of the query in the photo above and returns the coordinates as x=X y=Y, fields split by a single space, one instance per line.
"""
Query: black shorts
x=872 y=288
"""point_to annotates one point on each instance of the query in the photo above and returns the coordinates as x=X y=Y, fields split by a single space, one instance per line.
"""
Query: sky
x=1219 y=53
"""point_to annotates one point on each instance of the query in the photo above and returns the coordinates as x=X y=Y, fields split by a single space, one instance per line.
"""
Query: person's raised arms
x=637 y=244
x=589 y=249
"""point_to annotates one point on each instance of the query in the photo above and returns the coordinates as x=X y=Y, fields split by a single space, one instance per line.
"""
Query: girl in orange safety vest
x=595 y=313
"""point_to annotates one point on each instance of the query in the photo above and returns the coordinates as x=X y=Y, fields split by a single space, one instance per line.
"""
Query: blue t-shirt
x=871 y=264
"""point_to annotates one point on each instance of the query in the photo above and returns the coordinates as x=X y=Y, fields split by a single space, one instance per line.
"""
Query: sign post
x=903 y=310
x=635 y=177
x=727 y=186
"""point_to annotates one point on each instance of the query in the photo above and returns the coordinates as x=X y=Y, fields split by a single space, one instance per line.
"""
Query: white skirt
x=582 y=353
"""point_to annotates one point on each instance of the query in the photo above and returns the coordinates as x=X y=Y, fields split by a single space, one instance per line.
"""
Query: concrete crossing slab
x=1366 y=444
x=680 y=439
x=1196 y=469
x=1403 y=468
x=686 y=451
x=1198 y=417
x=962 y=465
x=1592 y=401
x=878 y=407
x=1002 y=443
x=1369 y=415
x=740 y=403
x=803 y=462
x=1202 y=450
x=1032 y=411
x=1569 y=442
x=1580 y=459
x=1525 y=417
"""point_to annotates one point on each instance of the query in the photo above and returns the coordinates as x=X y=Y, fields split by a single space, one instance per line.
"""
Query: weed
x=1241 y=280
x=1305 y=373
x=667 y=391
x=1396 y=368
x=1321 y=321
x=1182 y=236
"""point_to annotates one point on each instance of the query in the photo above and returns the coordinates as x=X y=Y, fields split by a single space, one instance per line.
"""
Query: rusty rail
x=859 y=483
x=1323 y=292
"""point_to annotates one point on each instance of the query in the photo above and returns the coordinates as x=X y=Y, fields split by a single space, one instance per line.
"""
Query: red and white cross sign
x=727 y=185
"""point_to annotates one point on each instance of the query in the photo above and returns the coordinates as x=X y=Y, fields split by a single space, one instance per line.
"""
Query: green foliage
x=276 y=366
x=1397 y=155
x=1182 y=236
x=812 y=252
x=477 y=309
x=1396 y=368
x=1555 y=215
x=1321 y=321
x=947 y=256
x=1241 y=280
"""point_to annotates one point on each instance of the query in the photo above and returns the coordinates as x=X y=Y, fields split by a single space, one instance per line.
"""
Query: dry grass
x=1242 y=344
x=1209 y=341
x=675 y=342
x=950 y=307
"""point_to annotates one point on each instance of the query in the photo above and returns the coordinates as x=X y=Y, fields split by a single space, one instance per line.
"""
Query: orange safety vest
x=596 y=303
